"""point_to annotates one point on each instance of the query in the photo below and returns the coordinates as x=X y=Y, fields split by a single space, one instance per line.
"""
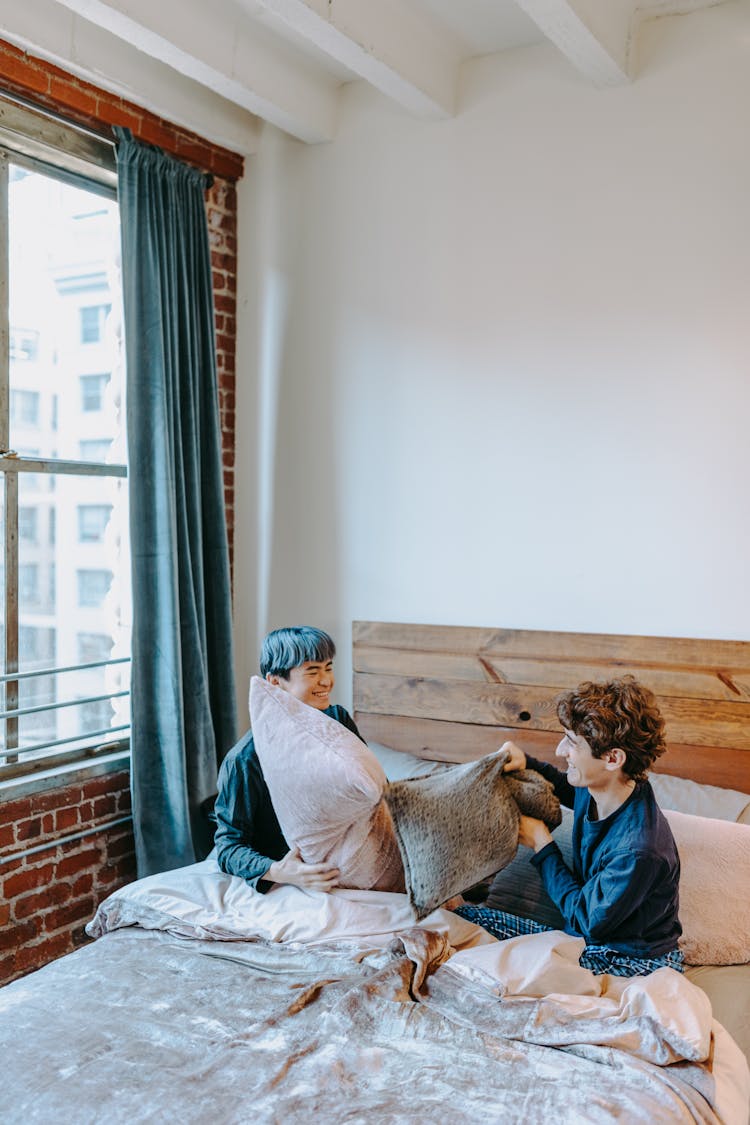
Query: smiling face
x=311 y=683
x=583 y=769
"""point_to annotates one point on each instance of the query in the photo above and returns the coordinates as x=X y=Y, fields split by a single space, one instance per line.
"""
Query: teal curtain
x=183 y=704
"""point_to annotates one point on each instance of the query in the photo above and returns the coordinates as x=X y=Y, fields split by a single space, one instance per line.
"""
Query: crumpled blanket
x=144 y=1026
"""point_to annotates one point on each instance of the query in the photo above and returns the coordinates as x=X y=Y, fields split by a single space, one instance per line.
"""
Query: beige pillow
x=714 y=889
x=457 y=827
x=326 y=787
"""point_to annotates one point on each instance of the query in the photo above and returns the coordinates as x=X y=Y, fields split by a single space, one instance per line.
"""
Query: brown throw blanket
x=460 y=826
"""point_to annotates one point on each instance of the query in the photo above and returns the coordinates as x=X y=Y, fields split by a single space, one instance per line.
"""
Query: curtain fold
x=183 y=703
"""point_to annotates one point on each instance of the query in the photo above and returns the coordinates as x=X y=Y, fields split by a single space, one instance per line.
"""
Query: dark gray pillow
x=459 y=826
x=518 y=888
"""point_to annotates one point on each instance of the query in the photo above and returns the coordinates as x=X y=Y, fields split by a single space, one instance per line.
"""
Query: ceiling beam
x=51 y=32
x=594 y=36
x=402 y=54
x=212 y=44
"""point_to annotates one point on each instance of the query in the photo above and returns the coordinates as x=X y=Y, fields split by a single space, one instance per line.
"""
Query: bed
x=200 y=997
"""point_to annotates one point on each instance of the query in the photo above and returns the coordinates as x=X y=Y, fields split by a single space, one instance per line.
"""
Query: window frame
x=42 y=143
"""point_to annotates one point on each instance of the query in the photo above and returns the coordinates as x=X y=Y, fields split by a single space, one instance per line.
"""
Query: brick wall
x=49 y=896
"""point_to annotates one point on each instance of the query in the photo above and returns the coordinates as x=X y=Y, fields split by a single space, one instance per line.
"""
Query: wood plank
x=449 y=742
x=696 y=722
x=732 y=684
x=596 y=647
x=464 y=742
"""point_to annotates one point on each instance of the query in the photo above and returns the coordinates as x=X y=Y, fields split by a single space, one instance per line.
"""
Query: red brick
x=27 y=76
x=54 y=895
x=73 y=96
x=66 y=818
x=11 y=811
x=66 y=915
x=29 y=829
x=78 y=862
x=4 y=913
x=105 y=806
x=58 y=798
x=97 y=786
x=7 y=969
x=27 y=879
x=34 y=956
x=83 y=885
x=7 y=835
x=15 y=936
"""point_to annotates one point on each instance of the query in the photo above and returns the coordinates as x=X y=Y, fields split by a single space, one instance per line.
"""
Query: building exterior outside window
x=65 y=624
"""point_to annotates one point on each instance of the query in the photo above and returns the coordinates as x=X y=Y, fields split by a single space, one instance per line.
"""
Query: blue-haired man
x=249 y=841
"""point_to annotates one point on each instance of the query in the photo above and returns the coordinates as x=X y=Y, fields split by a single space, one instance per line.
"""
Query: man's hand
x=517 y=759
x=293 y=870
x=533 y=833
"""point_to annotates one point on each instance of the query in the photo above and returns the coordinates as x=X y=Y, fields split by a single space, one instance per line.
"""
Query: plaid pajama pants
x=597 y=958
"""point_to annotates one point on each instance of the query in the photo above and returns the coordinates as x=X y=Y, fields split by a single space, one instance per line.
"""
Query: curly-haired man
x=622 y=894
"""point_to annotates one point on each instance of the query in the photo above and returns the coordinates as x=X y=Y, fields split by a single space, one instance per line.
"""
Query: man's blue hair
x=284 y=649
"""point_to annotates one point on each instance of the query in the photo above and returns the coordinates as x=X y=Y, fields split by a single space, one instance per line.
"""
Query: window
x=93 y=647
x=28 y=585
x=64 y=621
x=96 y=449
x=93 y=587
x=27 y=524
x=93 y=318
x=24 y=408
x=92 y=522
x=24 y=345
x=92 y=391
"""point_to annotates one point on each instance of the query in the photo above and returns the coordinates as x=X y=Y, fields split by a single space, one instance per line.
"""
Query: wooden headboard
x=453 y=693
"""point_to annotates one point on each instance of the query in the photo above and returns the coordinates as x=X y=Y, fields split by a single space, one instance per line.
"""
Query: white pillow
x=327 y=787
x=698 y=799
x=714 y=889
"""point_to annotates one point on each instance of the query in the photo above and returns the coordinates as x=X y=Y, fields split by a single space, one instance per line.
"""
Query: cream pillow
x=714 y=889
x=327 y=788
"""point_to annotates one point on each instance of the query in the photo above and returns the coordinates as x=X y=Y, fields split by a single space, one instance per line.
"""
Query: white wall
x=505 y=357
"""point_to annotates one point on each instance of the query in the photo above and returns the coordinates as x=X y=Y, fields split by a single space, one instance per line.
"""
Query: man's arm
x=518 y=760
x=236 y=809
x=597 y=908
x=243 y=806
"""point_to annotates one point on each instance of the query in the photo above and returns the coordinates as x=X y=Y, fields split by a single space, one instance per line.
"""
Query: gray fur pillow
x=460 y=826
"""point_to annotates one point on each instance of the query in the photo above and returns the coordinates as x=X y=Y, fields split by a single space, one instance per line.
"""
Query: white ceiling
x=284 y=61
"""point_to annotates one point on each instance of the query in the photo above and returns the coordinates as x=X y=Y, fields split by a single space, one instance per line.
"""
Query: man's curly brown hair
x=619 y=713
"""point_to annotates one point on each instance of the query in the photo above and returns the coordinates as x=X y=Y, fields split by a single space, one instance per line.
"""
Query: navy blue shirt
x=623 y=891
x=248 y=836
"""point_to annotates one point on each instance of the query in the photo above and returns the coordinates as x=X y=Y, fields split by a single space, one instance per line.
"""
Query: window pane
x=74 y=608
x=92 y=522
x=66 y=378
x=64 y=286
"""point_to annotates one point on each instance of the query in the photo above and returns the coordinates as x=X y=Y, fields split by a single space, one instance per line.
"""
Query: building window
x=54 y=707
x=92 y=391
x=95 y=449
x=93 y=587
x=24 y=408
x=93 y=647
x=92 y=522
x=27 y=525
x=93 y=319
x=24 y=345
x=28 y=585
